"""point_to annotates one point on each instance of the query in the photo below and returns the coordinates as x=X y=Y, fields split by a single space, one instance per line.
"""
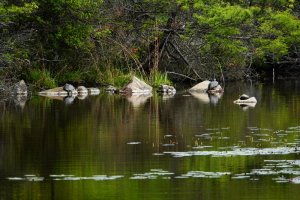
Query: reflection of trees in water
x=12 y=102
x=96 y=131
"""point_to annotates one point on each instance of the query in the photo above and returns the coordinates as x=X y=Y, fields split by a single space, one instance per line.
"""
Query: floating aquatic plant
x=134 y=143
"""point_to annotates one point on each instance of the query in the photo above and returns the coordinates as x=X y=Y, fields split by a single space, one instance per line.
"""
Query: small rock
x=166 y=89
x=111 y=88
x=20 y=88
x=82 y=90
x=93 y=91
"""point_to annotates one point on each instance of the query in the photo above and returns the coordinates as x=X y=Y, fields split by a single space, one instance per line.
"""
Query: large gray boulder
x=136 y=85
x=207 y=86
x=200 y=87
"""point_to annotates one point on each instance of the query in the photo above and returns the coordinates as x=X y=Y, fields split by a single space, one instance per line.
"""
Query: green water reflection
x=110 y=135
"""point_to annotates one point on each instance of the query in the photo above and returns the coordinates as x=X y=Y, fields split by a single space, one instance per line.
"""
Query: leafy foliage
x=82 y=40
x=278 y=33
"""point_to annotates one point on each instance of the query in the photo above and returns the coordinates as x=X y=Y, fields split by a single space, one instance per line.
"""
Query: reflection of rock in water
x=93 y=91
x=246 y=106
x=166 y=96
x=20 y=100
x=202 y=96
x=137 y=99
x=56 y=97
x=110 y=92
x=214 y=98
x=69 y=100
x=206 y=97
x=82 y=96
x=82 y=90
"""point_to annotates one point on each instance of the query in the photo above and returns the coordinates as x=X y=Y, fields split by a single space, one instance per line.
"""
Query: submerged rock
x=136 y=85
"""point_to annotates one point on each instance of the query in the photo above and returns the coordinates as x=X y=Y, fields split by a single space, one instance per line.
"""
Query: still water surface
x=160 y=147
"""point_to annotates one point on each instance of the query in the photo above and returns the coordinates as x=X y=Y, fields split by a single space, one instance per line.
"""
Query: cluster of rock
x=69 y=90
x=138 y=90
x=16 y=92
x=18 y=88
x=68 y=93
x=137 y=86
x=134 y=86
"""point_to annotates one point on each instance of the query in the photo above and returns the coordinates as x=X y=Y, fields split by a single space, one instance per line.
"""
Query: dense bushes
x=101 y=42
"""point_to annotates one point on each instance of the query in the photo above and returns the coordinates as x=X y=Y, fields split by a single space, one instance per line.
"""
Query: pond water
x=184 y=146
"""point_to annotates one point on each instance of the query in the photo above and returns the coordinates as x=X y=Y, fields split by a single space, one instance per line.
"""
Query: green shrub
x=41 y=78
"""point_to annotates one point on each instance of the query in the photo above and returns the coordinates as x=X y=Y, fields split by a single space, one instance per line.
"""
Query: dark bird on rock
x=68 y=87
x=244 y=97
x=213 y=84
